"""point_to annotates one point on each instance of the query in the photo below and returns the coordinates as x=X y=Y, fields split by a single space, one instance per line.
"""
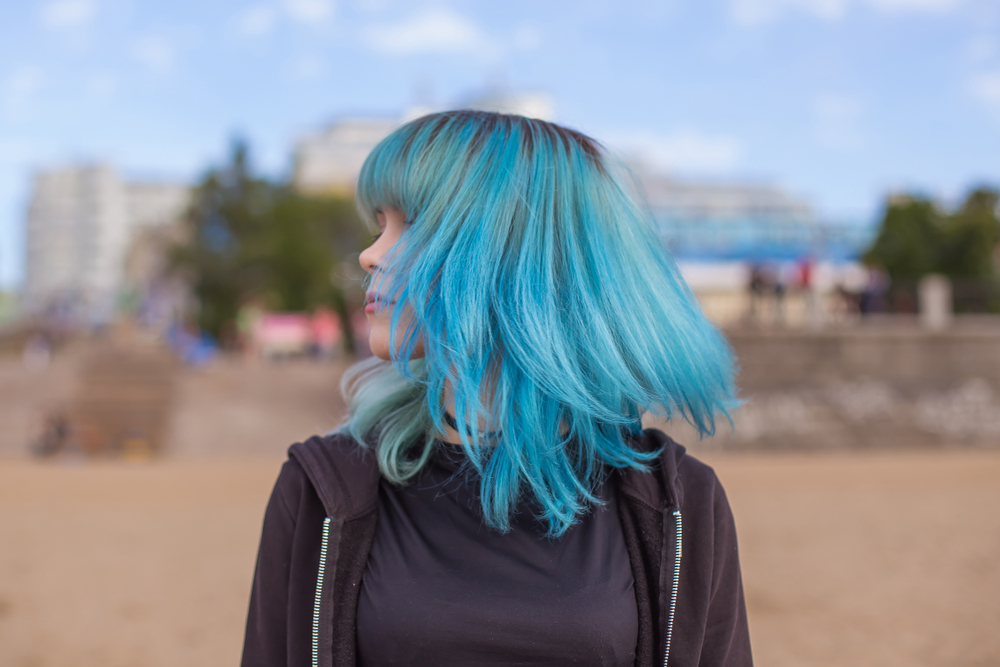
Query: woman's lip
x=376 y=304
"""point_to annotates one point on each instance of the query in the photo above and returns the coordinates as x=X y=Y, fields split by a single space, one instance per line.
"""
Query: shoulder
x=673 y=479
x=343 y=473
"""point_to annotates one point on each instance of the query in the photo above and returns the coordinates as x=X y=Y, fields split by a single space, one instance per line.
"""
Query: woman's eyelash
x=376 y=237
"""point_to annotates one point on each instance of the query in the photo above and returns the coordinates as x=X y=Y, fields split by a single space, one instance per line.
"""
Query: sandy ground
x=848 y=559
x=877 y=558
x=870 y=559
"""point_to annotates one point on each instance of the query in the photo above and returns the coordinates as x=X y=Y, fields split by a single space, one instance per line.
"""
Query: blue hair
x=529 y=270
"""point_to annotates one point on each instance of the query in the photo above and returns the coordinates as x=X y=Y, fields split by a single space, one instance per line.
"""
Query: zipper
x=673 y=590
x=319 y=591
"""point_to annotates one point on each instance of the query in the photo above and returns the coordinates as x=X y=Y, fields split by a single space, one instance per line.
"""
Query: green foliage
x=971 y=236
x=917 y=238
x=248 y=237
x=909 y=238
x=312 y=243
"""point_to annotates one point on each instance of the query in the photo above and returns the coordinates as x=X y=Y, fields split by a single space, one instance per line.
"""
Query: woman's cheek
x=378 y=338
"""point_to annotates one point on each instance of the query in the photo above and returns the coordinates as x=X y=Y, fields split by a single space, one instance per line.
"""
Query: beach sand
x=862 y=558
x=848 y=558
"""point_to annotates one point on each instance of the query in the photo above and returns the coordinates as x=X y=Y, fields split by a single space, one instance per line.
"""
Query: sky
x=838 y=101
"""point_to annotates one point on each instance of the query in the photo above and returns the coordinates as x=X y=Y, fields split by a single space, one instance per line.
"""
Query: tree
x=909 y=238
x=223 y=257
x=917 y=238
x=971 y=236
x=250 y=237
x=309 y=240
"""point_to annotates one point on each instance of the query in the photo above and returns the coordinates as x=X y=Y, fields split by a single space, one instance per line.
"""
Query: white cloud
x=256 y=20
x=68 y=13
x=432 y=31
x=371 y=6
x=309 y=11
x=915 y=5
x=685 y=150
x=755 y=12
x=986 y=88
x=838 y=120
x=261 y=18
x=157 y=53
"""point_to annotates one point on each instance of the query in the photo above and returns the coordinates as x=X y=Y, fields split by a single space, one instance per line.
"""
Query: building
x=722 y=234
x=82 y=222
x=724 y=222
x=531 y=104
x=330 y=160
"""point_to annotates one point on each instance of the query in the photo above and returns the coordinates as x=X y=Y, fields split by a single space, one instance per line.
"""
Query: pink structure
x=288 y=334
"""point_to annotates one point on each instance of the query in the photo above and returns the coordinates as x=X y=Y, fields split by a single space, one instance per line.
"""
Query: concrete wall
x=904 y=356
x=862 y=388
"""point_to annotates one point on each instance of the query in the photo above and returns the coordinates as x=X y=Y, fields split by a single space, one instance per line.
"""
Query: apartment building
x=82 y=221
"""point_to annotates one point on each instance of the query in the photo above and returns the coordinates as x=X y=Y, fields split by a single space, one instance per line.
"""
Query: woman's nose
x=368 y=258
x=372 y=255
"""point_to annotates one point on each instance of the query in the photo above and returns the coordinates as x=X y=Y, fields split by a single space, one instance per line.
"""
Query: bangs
x=437 y=155
x=396 y=175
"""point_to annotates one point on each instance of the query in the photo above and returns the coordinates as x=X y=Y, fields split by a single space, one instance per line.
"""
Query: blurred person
x=325 y=332
x=779 y=285
x=193 y=346
x=37 y=353
x=872 y=298
x=492 y=498
x=54 y=437
x=850 y=282
x=757 y=286
x=361 y=330
x=805 y=271
x=248 y=319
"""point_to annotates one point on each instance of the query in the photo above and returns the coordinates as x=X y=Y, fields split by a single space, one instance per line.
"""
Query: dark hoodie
x=320 y=522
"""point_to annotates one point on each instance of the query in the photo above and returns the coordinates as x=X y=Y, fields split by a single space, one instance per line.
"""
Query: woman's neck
x=450 y=434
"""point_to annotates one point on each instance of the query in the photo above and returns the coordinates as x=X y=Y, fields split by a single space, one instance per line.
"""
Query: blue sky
x=839 y=101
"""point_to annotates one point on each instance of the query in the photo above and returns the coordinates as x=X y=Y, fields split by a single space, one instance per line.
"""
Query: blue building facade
x=725 y=222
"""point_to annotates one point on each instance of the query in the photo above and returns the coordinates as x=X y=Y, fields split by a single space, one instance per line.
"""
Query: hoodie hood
x=659 y=486
x=344 y=474
x=346 y=478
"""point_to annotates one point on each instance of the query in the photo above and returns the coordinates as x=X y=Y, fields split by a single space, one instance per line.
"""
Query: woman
x=492 y=498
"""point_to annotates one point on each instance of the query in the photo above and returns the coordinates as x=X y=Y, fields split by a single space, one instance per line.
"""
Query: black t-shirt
x=442 y=588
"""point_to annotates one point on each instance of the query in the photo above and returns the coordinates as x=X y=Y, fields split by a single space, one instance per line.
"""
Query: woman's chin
x=378 y=342
x=379 y=346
